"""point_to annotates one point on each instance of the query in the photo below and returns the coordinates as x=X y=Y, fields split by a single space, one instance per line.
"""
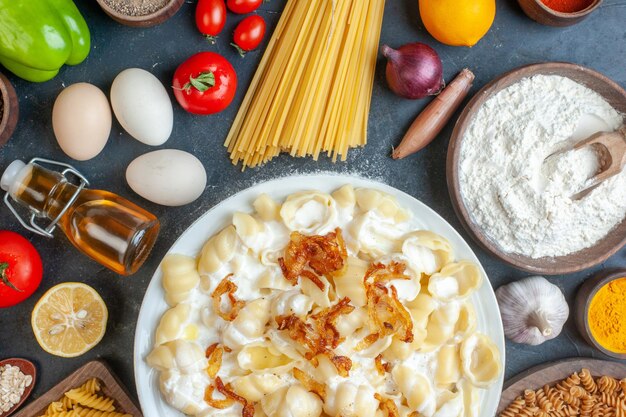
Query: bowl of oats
x=17 y=379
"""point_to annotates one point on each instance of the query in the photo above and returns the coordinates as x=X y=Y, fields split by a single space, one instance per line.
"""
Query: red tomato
x=243 y=6
x=210 y=18
x=205 y=83
x=249 y=33
x=20 y=269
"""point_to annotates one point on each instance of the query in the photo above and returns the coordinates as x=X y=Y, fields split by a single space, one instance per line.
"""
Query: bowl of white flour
x=517 y=203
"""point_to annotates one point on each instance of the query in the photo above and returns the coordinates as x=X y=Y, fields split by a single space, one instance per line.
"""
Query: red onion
x=414 y=70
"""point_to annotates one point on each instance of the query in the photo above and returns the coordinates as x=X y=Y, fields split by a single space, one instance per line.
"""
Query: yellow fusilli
x=83 y=397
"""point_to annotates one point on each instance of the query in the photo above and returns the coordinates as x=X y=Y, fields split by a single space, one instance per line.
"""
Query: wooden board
x=111 y=387
x=551 y=373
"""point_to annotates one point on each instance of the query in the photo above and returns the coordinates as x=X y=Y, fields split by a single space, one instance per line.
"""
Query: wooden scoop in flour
x=611 y=150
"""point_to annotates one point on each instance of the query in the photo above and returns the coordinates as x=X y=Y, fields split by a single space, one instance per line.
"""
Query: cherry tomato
x=210 y=18
x=20 y=269
x=249 y=33
x=205 y=83
x=243 y=6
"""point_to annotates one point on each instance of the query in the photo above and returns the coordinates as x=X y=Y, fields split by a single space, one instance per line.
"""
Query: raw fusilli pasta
x=579 y=395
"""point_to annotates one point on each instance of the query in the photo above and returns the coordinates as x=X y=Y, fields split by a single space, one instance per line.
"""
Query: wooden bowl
x=586 y=258
x=10 y=111
x=151 y=19
x=27 y=368
x=111 y=386
x=539 y=12
x=583 y=300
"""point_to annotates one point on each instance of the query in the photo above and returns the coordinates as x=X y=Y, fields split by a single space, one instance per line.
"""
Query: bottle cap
x=10 y=174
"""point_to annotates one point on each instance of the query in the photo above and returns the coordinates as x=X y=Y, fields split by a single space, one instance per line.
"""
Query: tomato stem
x=211 y=39
x=202 y=82
x=3 y=267
x=242 y=52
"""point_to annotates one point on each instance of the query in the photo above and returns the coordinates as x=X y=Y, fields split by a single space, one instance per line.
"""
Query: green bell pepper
x=37 y=37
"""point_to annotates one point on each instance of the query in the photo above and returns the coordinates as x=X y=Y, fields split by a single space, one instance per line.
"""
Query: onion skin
x=414 y=70
x=434 y=117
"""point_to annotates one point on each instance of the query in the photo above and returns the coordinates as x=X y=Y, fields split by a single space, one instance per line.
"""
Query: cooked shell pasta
x=180 y=276
x=427 y=252
x=172 y=323
x=297 y=213
x=218 y=250
x=383 y=203
x=480 y=359
x=293 y=401
x=455 y=280
x=266 y=208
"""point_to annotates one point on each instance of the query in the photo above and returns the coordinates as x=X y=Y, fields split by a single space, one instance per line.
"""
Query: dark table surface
x=514 y=40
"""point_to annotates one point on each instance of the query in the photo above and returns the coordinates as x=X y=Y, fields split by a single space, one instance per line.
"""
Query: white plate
x=192 y=240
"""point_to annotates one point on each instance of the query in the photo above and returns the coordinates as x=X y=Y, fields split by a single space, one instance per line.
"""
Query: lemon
x=458 y=22
x=69 y=319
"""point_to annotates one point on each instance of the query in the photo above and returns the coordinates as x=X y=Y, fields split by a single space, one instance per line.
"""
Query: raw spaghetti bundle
x=313 y=88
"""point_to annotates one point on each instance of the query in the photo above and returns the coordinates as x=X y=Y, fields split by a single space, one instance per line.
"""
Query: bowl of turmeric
x=601 y=312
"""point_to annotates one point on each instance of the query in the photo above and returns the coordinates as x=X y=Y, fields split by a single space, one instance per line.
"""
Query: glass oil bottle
x=104 y=226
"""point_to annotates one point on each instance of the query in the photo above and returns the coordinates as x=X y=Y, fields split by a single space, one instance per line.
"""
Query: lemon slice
x=69 y=319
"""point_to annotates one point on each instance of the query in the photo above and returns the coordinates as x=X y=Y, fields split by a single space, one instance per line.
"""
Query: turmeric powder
x=607 y=316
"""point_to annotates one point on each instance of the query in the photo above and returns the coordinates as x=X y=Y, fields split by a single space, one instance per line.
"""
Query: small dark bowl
x=147 y=20
x=583 y=300
x=27 y=368
x=10 y=113
x=539 y=12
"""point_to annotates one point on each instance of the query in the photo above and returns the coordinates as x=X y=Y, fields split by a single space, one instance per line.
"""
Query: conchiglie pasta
x=441 y=325
x=218 y=250
x=180 y=276
x=449 y=404
x=471 y=398
x=347 y=324
x=416 y=389
x=387 y=206
x=350 y=400
x=187 y=357
x=350 y=282
x=267 y=209
x=427 y=252
x=251 y=231
x=448 y=366
x=480 y=359
x=466 y=324
x=172 y=324
x=292 y=401
x=345 y=196
x=291 y=302
x=249 y=325
x=254 y=387
x=455 y=281
x=310 y=213
x=263 y=357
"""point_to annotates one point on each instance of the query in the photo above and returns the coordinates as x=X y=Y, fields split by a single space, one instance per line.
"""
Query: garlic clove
x=533 y=310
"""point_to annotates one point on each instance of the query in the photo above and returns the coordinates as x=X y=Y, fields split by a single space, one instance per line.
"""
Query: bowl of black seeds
x=9 y=109
x=140 y=13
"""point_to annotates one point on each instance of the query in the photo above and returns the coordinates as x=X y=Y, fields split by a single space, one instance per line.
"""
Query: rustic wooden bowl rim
x=594 y=5
x=588 y=292
x=546 y=265
x=27 y=368
x=144 y=18
x=4 y=92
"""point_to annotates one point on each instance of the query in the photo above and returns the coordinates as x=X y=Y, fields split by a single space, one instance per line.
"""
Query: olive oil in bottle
x=104 y=226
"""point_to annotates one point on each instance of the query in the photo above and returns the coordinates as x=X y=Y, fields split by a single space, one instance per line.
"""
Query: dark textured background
x=599 y=43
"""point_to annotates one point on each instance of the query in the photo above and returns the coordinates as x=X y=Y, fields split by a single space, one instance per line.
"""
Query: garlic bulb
x=533 y=310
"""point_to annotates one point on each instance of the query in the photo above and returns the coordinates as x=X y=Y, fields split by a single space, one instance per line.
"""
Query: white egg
x=142 y=106
x=81 y=120
x=168 y=177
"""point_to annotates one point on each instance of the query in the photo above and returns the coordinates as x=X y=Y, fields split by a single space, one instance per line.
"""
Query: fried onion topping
x=381 y=367
x=325 y=255
x=386 y=313
x=226 y=390
x=220 y=404
x=226 y=287
x=388 y=405
x=214 y=355
x=309 y=383
x=321 y=337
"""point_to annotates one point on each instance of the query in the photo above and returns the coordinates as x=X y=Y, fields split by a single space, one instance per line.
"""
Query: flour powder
x=522 y=201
